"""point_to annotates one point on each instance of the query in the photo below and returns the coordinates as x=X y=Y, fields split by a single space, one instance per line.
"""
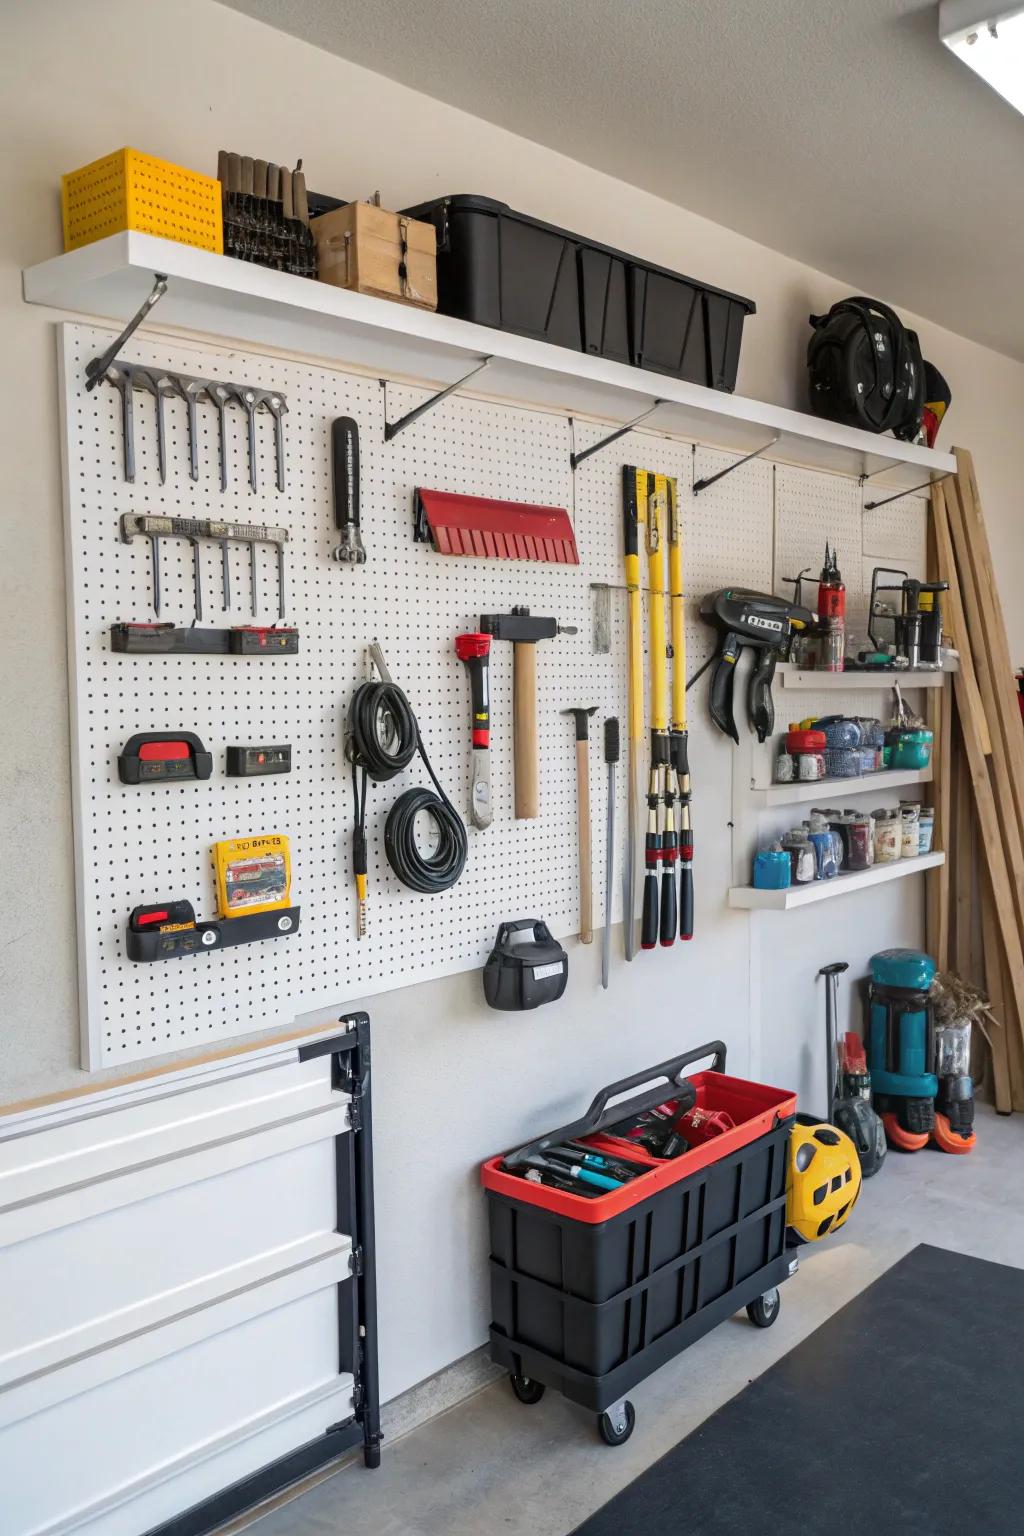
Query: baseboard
x=450 y=1386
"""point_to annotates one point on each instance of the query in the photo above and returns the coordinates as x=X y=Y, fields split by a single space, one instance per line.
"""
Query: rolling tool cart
x=591 y=1292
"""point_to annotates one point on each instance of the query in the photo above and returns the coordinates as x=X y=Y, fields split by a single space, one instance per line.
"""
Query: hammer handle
x=524 y=724
x=583 y=833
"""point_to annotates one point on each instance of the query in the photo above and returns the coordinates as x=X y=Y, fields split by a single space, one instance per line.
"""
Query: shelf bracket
x=392 y=428
x=702 y=485
x=97 y=366
x=871 y=506
x=575 y=459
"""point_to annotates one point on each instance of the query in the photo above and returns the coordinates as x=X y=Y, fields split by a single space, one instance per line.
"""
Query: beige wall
x=181 y=80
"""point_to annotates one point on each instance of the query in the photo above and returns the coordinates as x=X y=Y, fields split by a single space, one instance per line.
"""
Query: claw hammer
x=524 y=630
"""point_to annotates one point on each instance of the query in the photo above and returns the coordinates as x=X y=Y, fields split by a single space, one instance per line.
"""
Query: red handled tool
x=474 y=649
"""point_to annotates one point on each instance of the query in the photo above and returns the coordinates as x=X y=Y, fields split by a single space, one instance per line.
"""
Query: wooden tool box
x=372 y=250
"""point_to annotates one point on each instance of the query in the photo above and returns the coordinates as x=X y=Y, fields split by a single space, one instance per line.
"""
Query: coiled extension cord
x=384 y=738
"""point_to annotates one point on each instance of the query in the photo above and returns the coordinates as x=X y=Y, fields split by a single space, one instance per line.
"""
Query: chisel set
x=266 y=214
x=128 y=377
x=195 y=530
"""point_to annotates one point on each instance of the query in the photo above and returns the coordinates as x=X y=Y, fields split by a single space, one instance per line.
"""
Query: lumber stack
x=975 y=901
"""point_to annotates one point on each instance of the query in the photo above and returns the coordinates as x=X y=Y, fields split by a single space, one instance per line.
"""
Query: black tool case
x=504 y=269
x=592 y=1307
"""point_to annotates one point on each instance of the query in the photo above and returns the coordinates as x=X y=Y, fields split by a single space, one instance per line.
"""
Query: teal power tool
x=901 y=1045
x=764 y=623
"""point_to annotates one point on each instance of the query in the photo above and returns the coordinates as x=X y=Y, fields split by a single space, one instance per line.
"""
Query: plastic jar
x=772 y=868
x=808 y=748
x=925 y=829
x=888 y=836
x=827 y=848
x=860 y=833
x=909 y=834
x=785 y=767
x=802 y=858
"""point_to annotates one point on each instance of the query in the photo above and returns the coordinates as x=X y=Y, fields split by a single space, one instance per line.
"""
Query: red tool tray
x=755 y=1107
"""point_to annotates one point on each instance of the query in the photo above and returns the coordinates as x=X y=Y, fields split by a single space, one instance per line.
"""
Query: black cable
x=384 y=739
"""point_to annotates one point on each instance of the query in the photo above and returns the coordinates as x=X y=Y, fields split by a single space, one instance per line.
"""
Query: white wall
x=453 y=1083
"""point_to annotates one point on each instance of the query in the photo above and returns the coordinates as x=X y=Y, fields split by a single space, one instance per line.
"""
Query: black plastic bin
x=592 y=1308
x=504 y=269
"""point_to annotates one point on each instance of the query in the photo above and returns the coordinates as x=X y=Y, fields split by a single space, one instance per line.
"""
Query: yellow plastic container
x=130 y=190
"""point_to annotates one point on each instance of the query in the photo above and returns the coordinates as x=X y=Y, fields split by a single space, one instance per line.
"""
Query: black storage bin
x=595 y=1308
x=504 y=269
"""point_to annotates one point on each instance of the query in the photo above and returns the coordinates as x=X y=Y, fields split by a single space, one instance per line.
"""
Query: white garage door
x=187 y=1317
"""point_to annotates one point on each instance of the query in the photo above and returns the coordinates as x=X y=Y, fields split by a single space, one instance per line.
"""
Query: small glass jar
x=785 y=767
x=925 y=829
x=953 y=1049
x=802 y=858
x=860 y=832
x=909 y=834
x=888 y=837
x=827 y=848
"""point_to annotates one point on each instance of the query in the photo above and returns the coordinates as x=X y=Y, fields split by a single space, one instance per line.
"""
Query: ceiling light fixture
x=988 y=40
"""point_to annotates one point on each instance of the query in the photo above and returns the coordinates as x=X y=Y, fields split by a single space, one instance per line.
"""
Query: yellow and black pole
x=678 y=733
x=635 y=713
x=656 y=519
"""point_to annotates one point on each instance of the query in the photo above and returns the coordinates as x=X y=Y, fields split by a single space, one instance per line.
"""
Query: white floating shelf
x=754 y=900
x=868 y=783
x=219 y=296
x=795 y=677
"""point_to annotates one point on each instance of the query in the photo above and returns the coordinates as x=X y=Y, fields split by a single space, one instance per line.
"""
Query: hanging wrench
x=220 y=396
x=278 y=408
x=249 y=400
x=120 y=375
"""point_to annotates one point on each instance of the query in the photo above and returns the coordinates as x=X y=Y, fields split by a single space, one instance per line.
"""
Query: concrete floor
x=491 y=1464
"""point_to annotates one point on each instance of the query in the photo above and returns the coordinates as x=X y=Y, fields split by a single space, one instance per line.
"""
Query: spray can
x=831 y=615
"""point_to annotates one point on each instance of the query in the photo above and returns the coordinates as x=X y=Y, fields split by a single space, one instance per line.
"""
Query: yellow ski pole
x=678 y=733
x=656 y=508
x=635 y=713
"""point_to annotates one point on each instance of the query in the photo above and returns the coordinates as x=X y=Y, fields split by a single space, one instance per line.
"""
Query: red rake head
x=494 y=530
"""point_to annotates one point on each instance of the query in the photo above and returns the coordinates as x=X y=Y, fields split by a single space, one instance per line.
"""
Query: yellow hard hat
x=823 y=1181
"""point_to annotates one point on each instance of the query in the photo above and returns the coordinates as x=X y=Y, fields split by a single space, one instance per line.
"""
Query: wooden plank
x=963 y=843
x=997 y=1029
x=1005 y=709
x=953 y=619
x=991 y=842
x=983 y=636
x=940 y=716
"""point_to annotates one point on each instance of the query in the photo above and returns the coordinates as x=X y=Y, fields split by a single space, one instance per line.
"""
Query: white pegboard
x=137 y=845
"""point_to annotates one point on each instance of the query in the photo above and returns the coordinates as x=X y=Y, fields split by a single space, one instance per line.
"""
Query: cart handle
x=598 y=1116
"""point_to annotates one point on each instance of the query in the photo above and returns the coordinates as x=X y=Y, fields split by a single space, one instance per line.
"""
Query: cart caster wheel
x=617 y=1426
x=526 y=1389
x=765 y=1309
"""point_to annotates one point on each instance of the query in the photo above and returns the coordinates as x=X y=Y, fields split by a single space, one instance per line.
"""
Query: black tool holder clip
x=205 y=938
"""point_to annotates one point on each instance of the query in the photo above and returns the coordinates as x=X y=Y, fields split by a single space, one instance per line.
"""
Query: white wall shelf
x=753 y=900
x=820 y=789
x=219 y=296
x=789 y=676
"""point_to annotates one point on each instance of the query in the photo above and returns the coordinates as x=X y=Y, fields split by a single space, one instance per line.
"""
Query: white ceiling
x=841 y=132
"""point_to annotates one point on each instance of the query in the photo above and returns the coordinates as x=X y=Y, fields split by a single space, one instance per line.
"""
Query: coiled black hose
x=385 y=738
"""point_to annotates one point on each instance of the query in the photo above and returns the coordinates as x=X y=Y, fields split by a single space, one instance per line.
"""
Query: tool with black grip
x=524 y=630
x=345 y=480
x=581 y=715
x=159 y=757
x=763 y=623
x=474 y=650
x=611 y=757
